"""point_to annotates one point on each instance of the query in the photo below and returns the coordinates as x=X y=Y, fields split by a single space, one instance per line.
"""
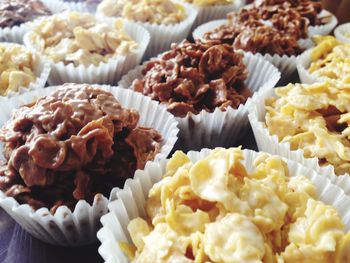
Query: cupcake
x=87 y=49
x=342 y=33
x=308 y=124
x=328 y=61
x=227 y=205
x=82 y=6
x=320 y=21
x=279 y=38
x=209 y=10
x=277 y=30
x=21 y=69
x=167 y=21
x=15 y=15
x=69 y=149
x=207 y=86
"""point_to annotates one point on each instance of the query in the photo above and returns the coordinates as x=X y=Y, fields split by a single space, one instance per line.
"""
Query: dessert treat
x=16 y=15
x=207 y=86
x=320 y=21
x=209 y=2
x=17 y=68
x=146 y=11
x=247 y=30
x=194 y=77
x=167 y=21
x=101 y=155
x=342 y=33
x=277 y=33
x=84 y=48
x=17 y=12
x=209 y=10
x=71 y=145
x=278 y=30
x=267 y=40
x=309 y=9
x=79 y=38
x=228 y=205
x=313 y=118
x=328 y=61
x=21 y=70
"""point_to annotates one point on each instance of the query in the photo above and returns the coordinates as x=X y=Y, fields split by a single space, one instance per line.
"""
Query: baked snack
x=330 y=59
x=215 y=210
x=314 y=118
x=71 y=145
x=247 y=30
x=267 y=40
x=80 y=38
x=209 y=2
x=17 y=12
x=269 y=27
x=161 y=12
x=309 y=9
x=192 y=77
x=17 y=67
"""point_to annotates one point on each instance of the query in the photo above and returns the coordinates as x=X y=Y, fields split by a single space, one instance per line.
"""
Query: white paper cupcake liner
x=16 y=33
x=81 y=7
x=131 y=201
x=326 y=28
x=286 y=64
x=270 y=143
x=219 y=128
x=41 y=71
x=342 y=33
x=162 y=36
x=67 y=228
x=209 y=13
x=199 y=32
x=103 y=73
x=303 y=64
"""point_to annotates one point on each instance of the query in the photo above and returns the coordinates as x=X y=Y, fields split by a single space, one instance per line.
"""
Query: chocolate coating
x=71 y=145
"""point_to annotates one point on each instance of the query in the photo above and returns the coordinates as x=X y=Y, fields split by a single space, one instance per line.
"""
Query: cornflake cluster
x=71 y=145
x=330 y=59
x=17 y=67
x=161 y=12
x=196 y=76
x=81 y=39
x=314 y=118
x=269 y=27
x=17 y=12
x=209 y=2
x=214 y=210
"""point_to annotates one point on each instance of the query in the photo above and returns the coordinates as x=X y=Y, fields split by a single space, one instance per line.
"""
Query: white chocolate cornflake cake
x=314 y=118
x=209 y=2
x=80 y=38
x=330 y=59
x=215 y=210
x=162 y=12
x=17 y=66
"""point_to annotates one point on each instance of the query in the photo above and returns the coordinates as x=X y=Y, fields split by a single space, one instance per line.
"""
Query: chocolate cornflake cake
x=17 y=12
x=71 y=145
x=269 y=26
x=192 y=77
